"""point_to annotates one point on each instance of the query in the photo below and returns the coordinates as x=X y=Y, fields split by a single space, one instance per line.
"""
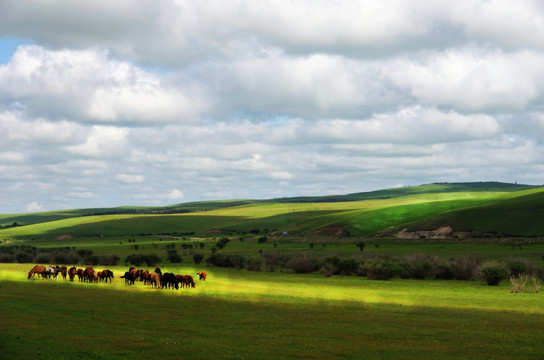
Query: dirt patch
x=331 y=231
x=443 y=232
x=66 y=237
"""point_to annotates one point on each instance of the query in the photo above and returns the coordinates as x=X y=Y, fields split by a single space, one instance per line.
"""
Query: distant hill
x=475 y=208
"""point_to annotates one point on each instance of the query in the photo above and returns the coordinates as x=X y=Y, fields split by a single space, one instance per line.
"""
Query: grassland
x=238 y=314
x=262 y=315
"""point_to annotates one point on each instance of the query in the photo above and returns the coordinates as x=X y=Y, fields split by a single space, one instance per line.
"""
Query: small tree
x=361 y=245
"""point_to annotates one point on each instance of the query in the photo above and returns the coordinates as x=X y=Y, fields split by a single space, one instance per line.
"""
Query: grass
x=239 y=314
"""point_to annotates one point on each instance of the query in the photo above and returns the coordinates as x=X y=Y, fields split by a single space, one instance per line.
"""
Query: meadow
x=253 y=315
x=241 y=314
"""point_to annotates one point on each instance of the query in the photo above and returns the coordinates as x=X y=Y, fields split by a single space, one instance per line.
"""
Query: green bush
x=494 y=274
x=197 y=258
x=382 y=270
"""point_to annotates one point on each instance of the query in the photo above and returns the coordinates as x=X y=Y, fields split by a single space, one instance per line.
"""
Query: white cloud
x=130 y=178
x=34 y=207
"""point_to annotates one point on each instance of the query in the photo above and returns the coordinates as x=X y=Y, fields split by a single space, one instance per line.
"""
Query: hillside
x=478 y=208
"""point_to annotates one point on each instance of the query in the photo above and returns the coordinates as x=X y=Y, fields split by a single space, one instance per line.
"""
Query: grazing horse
x=169 y=280
x=190 y=281
x=158 y=271
x=155 y=280
x=202 y=275
x=90 y=274
x=72 y=273
x=52 y=271
x=181 y=280
x=104 y=275
x=63 y=271
x=129 y=278
x=80 y=275
x=145 y=276
x=38 y=269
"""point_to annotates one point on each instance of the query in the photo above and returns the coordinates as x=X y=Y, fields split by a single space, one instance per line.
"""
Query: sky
x=146 y=103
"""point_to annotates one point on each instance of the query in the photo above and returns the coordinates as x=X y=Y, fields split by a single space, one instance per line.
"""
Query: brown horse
x=72 y=273
x=155 y=280
x=90 y=274
x=202 y=275
x=63 y=271
x=80 y=275
x=187 y=280
x=104 y=275
x=38 y=269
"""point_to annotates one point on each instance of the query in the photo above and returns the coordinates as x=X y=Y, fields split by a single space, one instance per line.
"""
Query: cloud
x=129 y=178
x=89 y=85
x=34 y=207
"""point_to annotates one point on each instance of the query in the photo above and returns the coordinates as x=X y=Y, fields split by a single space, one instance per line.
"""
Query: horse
x=38 y=269
x=104 y=275
x=72 y=273
x=145 y=276
x=129 y=278
x=52 y=271
x=202 y=275
x=169 y=280
x=80 y=275
x=63 y=271
x=181 y=280
x=90 y=274
x=155 y=280
x=188 y=280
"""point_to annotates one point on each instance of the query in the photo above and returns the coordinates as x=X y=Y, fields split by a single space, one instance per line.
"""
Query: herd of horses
x=156 y=279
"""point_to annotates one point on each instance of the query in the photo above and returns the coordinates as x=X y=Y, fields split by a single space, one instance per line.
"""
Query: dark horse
x=129 y=278
x=169 y=280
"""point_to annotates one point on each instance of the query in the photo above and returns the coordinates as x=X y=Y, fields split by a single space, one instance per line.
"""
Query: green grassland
x=239 y=314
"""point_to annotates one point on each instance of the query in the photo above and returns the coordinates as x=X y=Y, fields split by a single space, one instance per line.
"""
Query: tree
x=361 y=245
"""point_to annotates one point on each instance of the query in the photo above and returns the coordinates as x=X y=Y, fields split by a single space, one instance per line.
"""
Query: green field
x=240 y=314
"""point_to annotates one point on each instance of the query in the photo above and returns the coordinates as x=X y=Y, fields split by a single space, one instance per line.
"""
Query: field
x=240 y=314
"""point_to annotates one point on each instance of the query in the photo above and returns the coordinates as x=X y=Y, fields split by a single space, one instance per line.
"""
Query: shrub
x=109 y=260
x=7 y=258
x=444 y=272
x=197 y=258
x=494 y=274
x=518 y=267
x=255 y=264
x=91 y=260
x=301 y=264
x=25 y=257
x=347 y=267
x=383 y=270
x=44 y=258
x=465 y=267
x=524 y=283
x=223 y=260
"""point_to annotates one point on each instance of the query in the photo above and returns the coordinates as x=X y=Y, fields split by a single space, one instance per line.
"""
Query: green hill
x=484 y=207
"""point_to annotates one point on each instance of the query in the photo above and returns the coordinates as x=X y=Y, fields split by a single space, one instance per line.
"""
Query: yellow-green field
x=240 y=314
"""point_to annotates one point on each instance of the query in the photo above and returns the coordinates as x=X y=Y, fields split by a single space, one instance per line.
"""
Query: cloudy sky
x=139 y=102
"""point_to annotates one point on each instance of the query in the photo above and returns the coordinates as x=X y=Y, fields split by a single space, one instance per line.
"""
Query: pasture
x=254 y=315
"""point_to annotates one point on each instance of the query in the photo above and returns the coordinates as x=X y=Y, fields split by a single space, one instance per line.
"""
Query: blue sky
x=143 y=103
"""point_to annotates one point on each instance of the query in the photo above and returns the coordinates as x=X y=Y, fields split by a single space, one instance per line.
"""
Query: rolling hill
x=474 y=208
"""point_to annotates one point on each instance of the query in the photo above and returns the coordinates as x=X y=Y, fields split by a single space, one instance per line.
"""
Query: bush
x=301 y=264
x=347 y=267
x=524 y=283
x=382 y=270
x=139 y=259
x=444 y=272
x=7 y=258
x=44 y=258
x=465 y=267
x=108 y=260
x=255 y=264
x=223 y=260
x=518 y=267
x=494 y=274
x=197 y=258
